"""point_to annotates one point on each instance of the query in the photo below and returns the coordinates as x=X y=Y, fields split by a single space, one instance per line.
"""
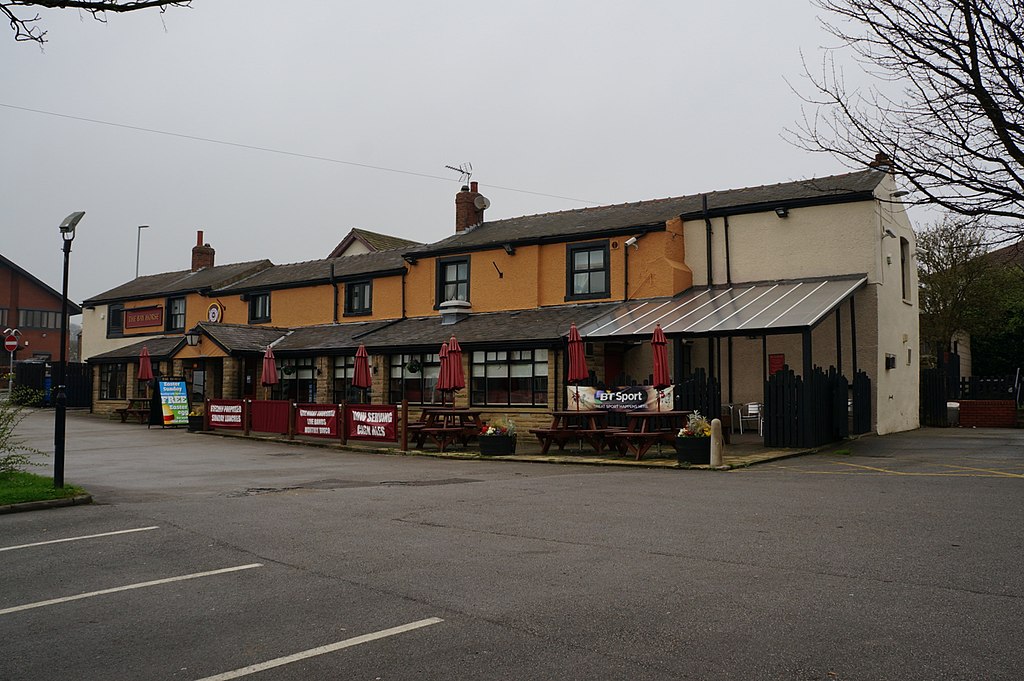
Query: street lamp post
x=67 y=233
x=138 y=244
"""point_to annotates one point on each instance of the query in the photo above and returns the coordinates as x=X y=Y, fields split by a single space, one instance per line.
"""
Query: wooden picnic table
x=577 y=425
x=445 y=426
x=138 y=407
x=648 y=427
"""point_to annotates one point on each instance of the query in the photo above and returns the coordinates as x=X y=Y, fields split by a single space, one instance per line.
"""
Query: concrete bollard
x=717 y=443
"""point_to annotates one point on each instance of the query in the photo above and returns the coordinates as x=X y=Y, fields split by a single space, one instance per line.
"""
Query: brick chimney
x=467 y=212
x=202 y=254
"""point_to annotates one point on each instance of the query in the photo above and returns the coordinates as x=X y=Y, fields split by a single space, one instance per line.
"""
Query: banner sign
x=627 y=398
x=173 y=403
x=225 y=414
x=371 y=422
x=776 y=362
x=141 y=317
x=317 y=420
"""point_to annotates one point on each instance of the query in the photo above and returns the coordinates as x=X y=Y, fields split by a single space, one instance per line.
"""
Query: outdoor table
x=572 y=424
x=648 y=427
x=446 y=425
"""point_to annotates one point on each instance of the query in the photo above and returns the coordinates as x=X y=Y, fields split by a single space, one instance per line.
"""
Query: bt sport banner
x=628 y=398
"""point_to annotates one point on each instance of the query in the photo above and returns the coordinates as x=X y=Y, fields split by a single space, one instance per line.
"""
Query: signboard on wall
x=371 y=422
x=627 y=398
x=142 y=317
x=776 y=362
x=173 y=403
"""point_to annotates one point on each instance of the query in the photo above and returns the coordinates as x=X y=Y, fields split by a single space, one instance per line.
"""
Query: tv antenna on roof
x=465 y=171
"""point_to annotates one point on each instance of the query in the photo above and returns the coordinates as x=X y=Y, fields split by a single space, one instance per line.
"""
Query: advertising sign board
x=173 y=403
x=372 y=422
x=625 y=398
x=225 y=414
x=317 y=420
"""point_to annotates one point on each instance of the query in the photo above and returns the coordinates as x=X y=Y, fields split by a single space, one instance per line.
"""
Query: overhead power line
x=282 y=152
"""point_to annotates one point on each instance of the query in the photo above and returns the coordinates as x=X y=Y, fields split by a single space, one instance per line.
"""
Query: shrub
x=14 y=453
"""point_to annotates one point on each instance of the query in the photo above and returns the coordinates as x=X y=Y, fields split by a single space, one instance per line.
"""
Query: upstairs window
x=452 y=279
x=358 y=298
x=587 y=266
x=175 y=314
x=38 y=319
x=905 y=267
x=3 y=316
x=259 y=308
x=115 y=320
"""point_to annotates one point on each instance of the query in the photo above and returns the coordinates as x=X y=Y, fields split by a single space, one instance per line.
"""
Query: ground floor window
x=413 y=377
x=297 y=380
x=113 y=379
x=344 y=373
x=510 y=378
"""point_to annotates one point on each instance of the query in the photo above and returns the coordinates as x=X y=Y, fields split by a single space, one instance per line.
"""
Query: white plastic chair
x=752 y=412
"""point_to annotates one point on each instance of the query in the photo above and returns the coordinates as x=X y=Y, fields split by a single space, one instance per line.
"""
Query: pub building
x=745 y=283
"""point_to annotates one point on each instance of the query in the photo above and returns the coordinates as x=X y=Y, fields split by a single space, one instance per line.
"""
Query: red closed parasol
x=443 y=372
x=269 y=376
x=456 y=377
x=145 y=365
x=362 y=378
x=659 y=350
x=577 y=361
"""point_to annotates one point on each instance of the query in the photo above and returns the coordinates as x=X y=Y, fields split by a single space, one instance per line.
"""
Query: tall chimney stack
x=202 y=254
x=469 y=211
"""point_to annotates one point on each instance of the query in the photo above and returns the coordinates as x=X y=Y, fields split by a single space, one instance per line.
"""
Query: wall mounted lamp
x=193 y=337
x=888 y=233
x=897 y=194
x=509 y=248
x=782 y=212
x=409 y=259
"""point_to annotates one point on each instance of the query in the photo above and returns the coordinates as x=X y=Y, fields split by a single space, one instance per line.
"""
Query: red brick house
x=32 y=307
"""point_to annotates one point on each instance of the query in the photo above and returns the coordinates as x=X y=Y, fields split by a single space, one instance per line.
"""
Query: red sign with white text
x=316 y=420
x=142 y=317
x=225 y=414
x=374 y=422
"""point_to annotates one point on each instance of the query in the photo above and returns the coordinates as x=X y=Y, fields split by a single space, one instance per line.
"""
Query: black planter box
x=497 y=445
x=693 y=450
x=195 y=423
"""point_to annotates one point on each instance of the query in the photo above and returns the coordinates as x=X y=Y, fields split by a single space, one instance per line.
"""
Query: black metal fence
x=700 y=392
x=43 y=376
x=989 y=388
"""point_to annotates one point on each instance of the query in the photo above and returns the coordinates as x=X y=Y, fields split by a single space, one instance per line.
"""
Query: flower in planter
x=696 y=426
x=501 y=427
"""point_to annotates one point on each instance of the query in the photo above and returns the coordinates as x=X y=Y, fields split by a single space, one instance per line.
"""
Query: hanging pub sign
x=371 y=422
x=627 y=398
x=317 y=420
x=173 y=403
x=142 y=317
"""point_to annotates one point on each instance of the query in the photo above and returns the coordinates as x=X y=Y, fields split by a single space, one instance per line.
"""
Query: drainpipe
x=334 y=283
x=728 y=266
x=405 y=271
x=625 y=271
x=707 y=223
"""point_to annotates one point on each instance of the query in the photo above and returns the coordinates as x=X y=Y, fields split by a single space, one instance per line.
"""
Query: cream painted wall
x=823 y=241
x=94 y=333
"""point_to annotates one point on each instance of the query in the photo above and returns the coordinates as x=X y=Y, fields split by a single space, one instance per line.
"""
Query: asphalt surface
x=896 y=557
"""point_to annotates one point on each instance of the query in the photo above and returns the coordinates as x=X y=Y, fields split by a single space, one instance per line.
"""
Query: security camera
x=631 y=241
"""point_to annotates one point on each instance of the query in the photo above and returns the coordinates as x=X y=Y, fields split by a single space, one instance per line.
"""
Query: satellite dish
x=482 y=203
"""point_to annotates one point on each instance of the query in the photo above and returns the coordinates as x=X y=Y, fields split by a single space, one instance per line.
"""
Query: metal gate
x=805 y=413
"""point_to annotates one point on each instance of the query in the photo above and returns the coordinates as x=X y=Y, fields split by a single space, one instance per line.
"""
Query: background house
x=34 y=308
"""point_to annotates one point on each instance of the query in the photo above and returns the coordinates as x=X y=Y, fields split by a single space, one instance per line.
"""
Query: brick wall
x=988 y=413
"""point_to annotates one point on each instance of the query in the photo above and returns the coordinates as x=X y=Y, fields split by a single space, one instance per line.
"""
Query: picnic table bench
x=138 y=407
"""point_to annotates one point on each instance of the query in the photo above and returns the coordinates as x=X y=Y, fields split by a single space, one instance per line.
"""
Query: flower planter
x=693 y=450
x=195 y=423
x=497 y=445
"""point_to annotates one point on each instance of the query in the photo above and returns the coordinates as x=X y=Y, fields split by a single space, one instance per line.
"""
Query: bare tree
x=962 y=290
x=24 y=18
x=947 y=106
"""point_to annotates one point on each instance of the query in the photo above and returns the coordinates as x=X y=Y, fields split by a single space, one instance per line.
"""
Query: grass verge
x=19 y=487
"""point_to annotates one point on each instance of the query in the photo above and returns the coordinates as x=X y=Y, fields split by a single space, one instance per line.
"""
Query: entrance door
x=250 y=367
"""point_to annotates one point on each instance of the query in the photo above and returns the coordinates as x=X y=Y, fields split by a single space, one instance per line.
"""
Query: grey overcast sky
x=600 y=102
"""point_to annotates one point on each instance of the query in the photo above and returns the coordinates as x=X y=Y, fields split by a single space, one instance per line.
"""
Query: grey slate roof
x=329 y=338
x=580 y=223
x=185 y=281
x=318 y=271
x=235 y=338
x=160 y=348
x=544 y=326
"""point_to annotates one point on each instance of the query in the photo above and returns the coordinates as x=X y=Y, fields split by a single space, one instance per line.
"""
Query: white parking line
x=87 y=536
x=322 y=650
x=140 y=585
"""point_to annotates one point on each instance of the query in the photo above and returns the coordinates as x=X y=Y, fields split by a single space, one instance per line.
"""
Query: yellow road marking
x=986 y=470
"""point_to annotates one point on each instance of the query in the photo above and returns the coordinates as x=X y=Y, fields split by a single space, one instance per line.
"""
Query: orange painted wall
x=536 y=275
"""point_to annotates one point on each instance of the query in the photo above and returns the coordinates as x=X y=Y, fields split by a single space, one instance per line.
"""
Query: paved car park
x=206 y=558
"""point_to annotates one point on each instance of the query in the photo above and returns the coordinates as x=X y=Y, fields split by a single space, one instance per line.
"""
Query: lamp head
x=631 y=241
x=192 y=337
x=782 y=211
x=67 y=228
